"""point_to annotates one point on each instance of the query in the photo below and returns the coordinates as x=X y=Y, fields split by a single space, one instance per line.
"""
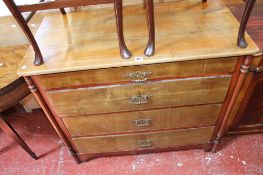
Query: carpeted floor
x=242 y=155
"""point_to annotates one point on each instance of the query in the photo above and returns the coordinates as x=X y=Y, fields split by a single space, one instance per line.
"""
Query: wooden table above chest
x=102 y=105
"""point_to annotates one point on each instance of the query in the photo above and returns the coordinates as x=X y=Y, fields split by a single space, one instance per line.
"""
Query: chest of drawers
x=101 y=105
x=138 y=108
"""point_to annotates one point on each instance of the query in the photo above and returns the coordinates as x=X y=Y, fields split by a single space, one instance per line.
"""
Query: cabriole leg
x=125 y=53
x=22 y=23
x=241 y=42
x=150 y=49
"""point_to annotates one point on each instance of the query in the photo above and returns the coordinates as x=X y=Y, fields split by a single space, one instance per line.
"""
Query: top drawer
x=137 y=73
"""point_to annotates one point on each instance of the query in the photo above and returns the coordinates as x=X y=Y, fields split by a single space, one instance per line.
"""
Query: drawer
x=120 y=98
x=137 y=73
x=150 y=140
x=171 y=118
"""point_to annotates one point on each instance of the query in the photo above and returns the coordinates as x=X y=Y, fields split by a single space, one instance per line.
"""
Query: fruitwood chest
x=102 y=105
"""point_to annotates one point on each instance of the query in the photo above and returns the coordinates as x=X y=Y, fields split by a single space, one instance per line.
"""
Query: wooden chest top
x=185 y=30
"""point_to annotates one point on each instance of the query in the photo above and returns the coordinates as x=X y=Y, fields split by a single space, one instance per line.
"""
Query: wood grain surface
x=144 y=73
x=13 y=93
x=244 y=96
x=255 y=23
x=12 y=35
x=246 y=116
x=170 y=118
x=117 y=98
x=13 y=46
x=88 y=40
x=127 y=142
x=10 y=58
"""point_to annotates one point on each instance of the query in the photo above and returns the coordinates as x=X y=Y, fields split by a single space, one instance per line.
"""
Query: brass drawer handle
x=256 y=70
x=139 y=99
x=138 y=76
x=142 y=122
x=145 y=143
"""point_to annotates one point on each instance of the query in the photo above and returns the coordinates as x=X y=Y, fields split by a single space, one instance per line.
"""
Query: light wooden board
x=185 y=30
x=12 y=35
x=10 y=57
x=13 y=47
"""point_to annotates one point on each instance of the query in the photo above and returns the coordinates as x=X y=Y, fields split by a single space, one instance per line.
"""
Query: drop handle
x=145 y=143
x=138 y=76
x=139 y=99
x=142 y=122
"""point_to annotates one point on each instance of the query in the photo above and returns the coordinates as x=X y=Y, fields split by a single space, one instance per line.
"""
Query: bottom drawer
x=150 y=140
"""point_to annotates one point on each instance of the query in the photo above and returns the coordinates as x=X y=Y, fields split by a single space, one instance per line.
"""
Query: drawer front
x=137 y=73
x=171 y=118
x=119 y=98
x=150 y=140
